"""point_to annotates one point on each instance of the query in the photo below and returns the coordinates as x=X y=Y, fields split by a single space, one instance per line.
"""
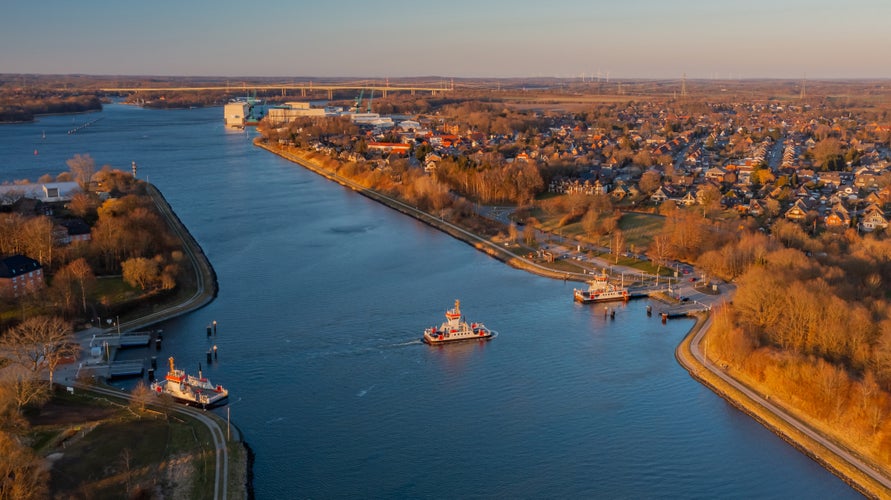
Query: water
x=323 y=297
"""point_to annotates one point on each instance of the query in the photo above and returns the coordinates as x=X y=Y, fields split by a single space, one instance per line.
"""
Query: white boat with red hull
x=189 y=389
x=600 y=290
x=456 y=329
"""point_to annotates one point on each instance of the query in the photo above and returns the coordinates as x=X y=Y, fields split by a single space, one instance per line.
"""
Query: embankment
x=482 y=244
x=790 y=431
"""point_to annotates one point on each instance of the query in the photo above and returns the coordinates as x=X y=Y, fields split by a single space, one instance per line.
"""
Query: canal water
x=323 y=298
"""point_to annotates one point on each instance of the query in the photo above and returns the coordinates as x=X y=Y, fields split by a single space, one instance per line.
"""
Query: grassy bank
x=804 y=443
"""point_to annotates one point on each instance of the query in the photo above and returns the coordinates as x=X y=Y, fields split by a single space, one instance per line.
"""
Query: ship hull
x=586 y=298
x=435 y=340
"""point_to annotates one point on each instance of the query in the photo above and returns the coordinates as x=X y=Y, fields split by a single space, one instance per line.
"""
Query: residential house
x=19 y=275
x=838 y=217
x=873 y=218
x=798 y=211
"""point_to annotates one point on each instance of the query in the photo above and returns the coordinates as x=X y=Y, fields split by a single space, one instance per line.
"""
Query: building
x=290 y=111
x=236 y=113
x=19 y=275
x=46 y=192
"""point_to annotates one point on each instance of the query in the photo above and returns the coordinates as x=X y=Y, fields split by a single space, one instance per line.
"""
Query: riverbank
x=231 y=474
x=492 y=249
x=843 y=463
x=853 y=475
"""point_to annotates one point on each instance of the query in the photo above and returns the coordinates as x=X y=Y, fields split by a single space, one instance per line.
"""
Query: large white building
x=235 y=113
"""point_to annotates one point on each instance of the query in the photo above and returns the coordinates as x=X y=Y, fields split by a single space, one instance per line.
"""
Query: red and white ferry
x=188 y=389
x=455 y=328
x=600 y=290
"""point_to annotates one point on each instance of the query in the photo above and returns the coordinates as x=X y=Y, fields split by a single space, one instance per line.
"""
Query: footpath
x=205 y=291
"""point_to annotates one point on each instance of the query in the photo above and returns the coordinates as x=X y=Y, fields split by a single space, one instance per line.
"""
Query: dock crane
x=357 y=108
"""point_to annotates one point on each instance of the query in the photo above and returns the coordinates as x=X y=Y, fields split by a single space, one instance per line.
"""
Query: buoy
x=664 y=318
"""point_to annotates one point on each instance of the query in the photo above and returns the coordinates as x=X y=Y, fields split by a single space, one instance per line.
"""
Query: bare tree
x=82 y=167
x=22 y=474
x=618 y=241
x=140 y=397
x=41 y=342
x=659 y=250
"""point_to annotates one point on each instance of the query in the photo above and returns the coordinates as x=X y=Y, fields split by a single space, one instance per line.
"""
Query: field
x=100 y=449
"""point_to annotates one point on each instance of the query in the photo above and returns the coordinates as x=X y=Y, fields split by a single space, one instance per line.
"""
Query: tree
x=650 y=181
x=141 y=272
x=20 y=388
x=618 y=241
x=41 y=342
x=83 y=277
x=82 y=167
x=659 y=250
x=140 y=397
x=22 y=473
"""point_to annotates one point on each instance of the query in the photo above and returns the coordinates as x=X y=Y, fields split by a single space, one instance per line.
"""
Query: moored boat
x=189 y=389
x=600 y=290
x=455 y=329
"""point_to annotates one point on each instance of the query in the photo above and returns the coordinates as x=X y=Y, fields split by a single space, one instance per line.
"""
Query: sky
x=660 y=39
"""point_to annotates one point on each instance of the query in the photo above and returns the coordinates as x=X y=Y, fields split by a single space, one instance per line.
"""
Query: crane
x=358 y=107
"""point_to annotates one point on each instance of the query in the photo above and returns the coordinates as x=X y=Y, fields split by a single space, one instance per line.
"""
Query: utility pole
x=684 y=86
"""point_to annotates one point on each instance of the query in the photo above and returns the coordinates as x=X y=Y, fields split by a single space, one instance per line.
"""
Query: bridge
x=304 y=88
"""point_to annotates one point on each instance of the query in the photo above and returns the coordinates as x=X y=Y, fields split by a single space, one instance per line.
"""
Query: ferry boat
x=455 y=329
x=600 y=290
x=188 y=389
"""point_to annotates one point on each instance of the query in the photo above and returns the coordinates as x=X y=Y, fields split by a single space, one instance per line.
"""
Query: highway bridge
x=303 y=88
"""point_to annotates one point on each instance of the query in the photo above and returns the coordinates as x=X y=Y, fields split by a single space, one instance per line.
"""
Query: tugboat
x=190 y=390
x=455 y=329
x=600 y=290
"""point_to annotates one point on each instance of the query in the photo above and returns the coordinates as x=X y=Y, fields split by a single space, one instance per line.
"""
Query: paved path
x=218 y=437
x=839 y=451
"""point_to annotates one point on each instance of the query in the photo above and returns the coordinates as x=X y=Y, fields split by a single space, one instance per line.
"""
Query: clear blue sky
x=451 y=38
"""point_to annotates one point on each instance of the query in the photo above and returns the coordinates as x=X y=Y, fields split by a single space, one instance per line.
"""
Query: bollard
x=209 y=358
x=649 y=310
x=214 y=327
x=154 y=362
x=214 y=351
x=208 y=330
x=664 y=318
x=612 y=314
x=158 y=344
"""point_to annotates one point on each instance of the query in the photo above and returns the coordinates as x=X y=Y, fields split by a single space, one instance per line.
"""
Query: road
x=839 y=451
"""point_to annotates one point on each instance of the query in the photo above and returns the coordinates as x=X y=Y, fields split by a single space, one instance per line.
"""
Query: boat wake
x=364 y=391
x=275 y=420
x=410 y=342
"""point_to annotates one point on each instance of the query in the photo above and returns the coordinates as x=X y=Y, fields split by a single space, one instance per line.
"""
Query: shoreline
x=784 y=426
x=206 y=291
x=478 y=242
x=704 y=373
